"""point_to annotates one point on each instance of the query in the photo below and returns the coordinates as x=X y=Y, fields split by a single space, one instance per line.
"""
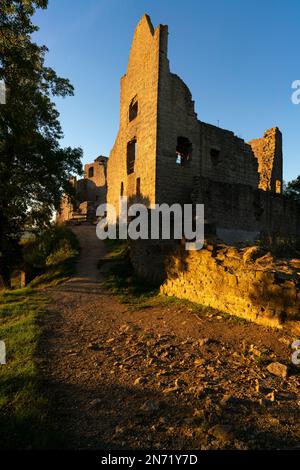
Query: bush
x=51 y=247
x=51 y=257
x=63 y=253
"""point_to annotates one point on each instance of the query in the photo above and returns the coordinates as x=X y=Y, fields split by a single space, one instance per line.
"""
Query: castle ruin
x=164 y=154
x=90 y=192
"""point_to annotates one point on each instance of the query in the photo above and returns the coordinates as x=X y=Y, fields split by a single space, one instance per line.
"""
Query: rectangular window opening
x=138 y=186
x=133 y=109
x=131 y=156
x=215 y=155
x=183 y=151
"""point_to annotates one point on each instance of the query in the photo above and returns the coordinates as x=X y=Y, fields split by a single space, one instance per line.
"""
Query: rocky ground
x=165 y=374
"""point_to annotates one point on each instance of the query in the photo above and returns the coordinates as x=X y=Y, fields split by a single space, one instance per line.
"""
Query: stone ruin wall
x=148 y=258
x=240 y=184
x=90 y=192
x=268 y=151
x=246 y=283
x=165 y=113
x=176 y=118
x=234 y=163
x=244 y=213
x=65 y=210
x=140 y=83
x=226 y=157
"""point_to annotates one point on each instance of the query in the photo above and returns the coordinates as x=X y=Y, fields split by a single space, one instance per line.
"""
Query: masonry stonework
x=241 y=213
x=268 y=151
x=247 y=283
x=90 y=192
x=137 y=137
x=164 y=154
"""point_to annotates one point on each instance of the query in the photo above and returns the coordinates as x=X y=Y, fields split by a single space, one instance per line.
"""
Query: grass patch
x=24 y=408
x=54 y=253
x=202 y=311
x=116 y=249
x=130 y=290
x=55 y=275
x=138 y=294
x=122 y=281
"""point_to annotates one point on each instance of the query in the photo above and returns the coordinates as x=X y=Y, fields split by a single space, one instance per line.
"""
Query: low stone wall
x=246 y=283
x=240 y=208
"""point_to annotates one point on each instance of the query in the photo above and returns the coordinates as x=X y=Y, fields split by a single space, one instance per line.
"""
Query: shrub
x=64 y=252
x=51 y=247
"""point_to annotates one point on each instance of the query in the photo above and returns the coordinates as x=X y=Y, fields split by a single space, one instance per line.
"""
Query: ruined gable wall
x=227 y=158
x=176 y=118
x=166 y=112
x=141 y=80
x=268 y=151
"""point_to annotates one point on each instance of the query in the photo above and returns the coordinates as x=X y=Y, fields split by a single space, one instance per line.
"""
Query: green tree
x=292 y=189
x=34 y=169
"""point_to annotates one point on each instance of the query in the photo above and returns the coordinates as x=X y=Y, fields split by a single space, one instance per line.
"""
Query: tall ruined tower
x=268 y=151
x=132 y=161
x=157 y=126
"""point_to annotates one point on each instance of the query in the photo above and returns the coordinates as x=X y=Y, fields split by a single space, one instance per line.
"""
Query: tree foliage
x=292 y=189
x=34 y=169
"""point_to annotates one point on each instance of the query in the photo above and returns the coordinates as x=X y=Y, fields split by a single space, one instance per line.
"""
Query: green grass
x=24 y=407
x=116 y=248
x=120 y=280
x=116 y=251
x=55 y=253
x=130 y=290
x=200 y=310
x=138 y=294
x=55 y=275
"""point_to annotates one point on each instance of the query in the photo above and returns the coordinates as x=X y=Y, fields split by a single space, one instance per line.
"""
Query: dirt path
x=161 y=376
x=87 y=277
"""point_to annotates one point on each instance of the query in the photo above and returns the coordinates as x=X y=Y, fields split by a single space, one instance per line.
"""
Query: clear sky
x=239 y=59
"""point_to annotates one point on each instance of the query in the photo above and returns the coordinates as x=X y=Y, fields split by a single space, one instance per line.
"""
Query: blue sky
x=239 y=59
